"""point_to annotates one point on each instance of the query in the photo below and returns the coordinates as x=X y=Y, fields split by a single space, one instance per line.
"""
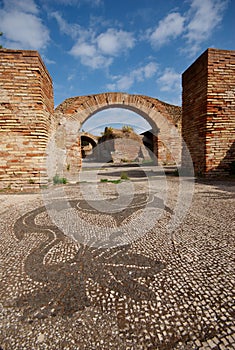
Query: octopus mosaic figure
x=64 y=283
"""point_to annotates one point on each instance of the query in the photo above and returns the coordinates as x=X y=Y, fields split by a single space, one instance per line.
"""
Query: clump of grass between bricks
x=124 y=176
x=112 y=181
x=104 y=180
x=59 y=180
x=43 y=187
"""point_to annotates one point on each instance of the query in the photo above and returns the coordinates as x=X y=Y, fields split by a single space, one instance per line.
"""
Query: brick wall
x=194 y=104
x=27 y=118
x=220 y=133
x=124 y=148
x=208 y=113
x=163 y=117
x=26 y=107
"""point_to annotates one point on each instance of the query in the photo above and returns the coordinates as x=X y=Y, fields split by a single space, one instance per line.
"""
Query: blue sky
x=133 y=46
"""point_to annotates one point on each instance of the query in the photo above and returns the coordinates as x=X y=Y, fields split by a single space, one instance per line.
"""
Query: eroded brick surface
x=25 y=116
x=31 y=129
x=208 y=120
x=165 y=120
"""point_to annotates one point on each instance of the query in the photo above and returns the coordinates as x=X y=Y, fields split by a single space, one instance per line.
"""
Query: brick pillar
x=26 y=107
x=208 y=118
x=220 y=133
x=194 y=106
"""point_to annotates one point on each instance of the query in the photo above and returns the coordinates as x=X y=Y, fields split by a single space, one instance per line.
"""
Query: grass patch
x=148 y=161
x=5 y=189
x=43 y=187
x=59 y=180
x=124 y=176
x=112 y=181
x=127 y=128
x=104 y=180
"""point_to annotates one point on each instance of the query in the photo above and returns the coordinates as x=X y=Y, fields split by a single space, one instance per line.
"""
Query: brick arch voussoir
x=73 y=112
x=91 y=138
x=82 y=107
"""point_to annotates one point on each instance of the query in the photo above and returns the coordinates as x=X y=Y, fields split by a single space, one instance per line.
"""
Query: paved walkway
x=80 y=276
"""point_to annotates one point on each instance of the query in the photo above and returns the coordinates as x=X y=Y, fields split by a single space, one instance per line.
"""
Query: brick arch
x=90 y=138
x=162 y=117
x=81 y=108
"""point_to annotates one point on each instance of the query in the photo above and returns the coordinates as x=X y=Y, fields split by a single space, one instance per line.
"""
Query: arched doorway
x=162 y=117
x=88 y=142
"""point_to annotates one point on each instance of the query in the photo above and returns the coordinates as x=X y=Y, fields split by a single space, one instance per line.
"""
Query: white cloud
x=84 y=49
x=92 y=3
x=150 y=69
x=48 y=60
x=98 y=51
x=72 y=30
x=22 y=27
x=113 y=41
x=124 y=83
x=90 y=56
x=203 y=17
x=194 y=26
x=95 y=50
x=168 y=28
x=170 y=80
x=28 y=6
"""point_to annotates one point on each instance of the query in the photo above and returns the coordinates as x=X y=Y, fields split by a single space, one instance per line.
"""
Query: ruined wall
x=26 y=107
x=162 y=117
x=28 y=122
x=208 y=113
x=120 y=146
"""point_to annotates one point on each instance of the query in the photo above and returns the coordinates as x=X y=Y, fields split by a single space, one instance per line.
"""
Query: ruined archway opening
x=123 y=136
x=88 y=143
x=161 y=118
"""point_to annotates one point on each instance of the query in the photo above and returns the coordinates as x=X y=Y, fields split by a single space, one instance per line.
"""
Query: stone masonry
x=25 y=116
x=208 y=120
x=165 y=120
x=32 y=132
x=121 y=146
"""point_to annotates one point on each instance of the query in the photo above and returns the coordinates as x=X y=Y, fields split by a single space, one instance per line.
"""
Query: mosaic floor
x=64 y=286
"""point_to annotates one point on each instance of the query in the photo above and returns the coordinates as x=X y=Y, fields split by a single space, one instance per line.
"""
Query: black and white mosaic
x=152 y=293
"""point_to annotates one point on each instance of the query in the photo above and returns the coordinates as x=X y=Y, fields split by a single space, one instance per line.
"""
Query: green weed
x=59 y=180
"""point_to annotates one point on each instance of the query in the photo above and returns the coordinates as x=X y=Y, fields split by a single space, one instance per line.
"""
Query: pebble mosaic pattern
x=153 y=293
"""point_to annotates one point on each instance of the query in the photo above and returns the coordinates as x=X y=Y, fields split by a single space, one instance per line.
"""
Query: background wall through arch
x=161 y=116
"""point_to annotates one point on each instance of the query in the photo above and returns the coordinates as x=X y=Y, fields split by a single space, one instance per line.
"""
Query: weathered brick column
x=26 y=108
x=208 y=118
